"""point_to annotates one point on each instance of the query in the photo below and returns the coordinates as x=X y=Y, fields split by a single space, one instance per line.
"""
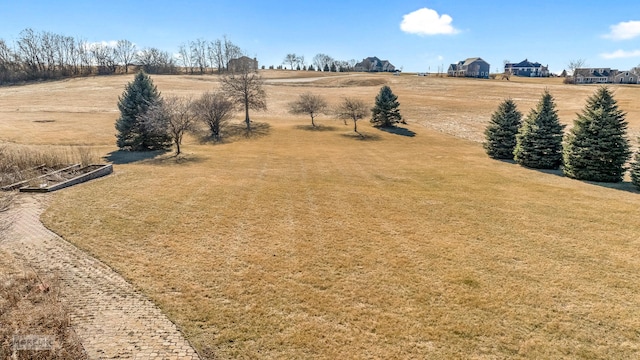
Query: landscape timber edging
x=103 y=170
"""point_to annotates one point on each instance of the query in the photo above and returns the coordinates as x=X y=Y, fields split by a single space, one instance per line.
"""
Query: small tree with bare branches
x=310 y=104
x=244 y=87
x=215 y=110
x=173 y=114
x=352 y=109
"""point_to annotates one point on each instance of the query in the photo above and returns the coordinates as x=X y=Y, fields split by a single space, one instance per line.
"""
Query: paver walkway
x=112 y=319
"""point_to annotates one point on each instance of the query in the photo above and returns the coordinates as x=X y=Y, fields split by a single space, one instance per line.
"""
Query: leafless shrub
x=215 y=110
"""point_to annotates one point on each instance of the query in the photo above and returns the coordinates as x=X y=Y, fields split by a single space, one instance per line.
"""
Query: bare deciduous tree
x=173 y=114
x=185 y=57
x=221 y=51
x=352 y=109
x=245 y=88
x=125 y=53
x=199 y=54
x=215 y=110
x=310 y=104
x=155 y=61
x=322 y=60
x=104 y=57
x=576 y=64
x=291 y=59
x=216 y=55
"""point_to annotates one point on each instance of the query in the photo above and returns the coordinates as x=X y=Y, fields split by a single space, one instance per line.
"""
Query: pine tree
x=136 y=99
x=539 y=140
x=502 y=130
x=386 y=112
x=326 y=68
x=635 y=170
x=596 y=148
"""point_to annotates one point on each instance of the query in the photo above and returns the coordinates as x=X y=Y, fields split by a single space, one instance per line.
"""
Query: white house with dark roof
x=471 y=67
x=527 y=68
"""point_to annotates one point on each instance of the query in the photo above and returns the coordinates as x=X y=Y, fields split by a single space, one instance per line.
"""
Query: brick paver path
x=112 y=319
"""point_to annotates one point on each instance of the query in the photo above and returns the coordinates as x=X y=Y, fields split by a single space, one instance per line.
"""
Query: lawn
x=300 y=243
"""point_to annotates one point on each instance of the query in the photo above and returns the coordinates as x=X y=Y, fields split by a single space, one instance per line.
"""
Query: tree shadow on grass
x=157 y=157
x=316 y=128
x=231 y=133
x=621 y=186
x=121 y=157
x=398 y=131
x=258 y=129
x=362 y=136
x=183 y=158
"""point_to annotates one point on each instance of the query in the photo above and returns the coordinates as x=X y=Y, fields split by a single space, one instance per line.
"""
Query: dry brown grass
x=30 y=305
x=310 y=244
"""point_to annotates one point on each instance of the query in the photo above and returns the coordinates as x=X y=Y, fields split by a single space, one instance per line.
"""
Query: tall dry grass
x=21 y=162
x=30 y=304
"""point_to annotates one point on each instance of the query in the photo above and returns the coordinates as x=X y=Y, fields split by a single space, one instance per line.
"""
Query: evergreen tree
x=539 y=140
x=333 y=68
x=596 y=148
x=133 y=133
x=326 y=68
x=386 y=112
x=502 y=130
x=635 y=170
x=311 y=68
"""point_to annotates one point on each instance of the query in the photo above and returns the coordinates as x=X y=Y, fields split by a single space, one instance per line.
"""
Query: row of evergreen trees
x=596 y=148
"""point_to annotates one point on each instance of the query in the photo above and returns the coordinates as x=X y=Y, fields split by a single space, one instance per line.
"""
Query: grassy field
x=299 y=243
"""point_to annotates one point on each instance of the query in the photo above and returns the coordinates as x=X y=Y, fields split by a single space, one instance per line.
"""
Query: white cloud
x=110 y=43
x=619 y=54
x=624 y=31
x=427 y=22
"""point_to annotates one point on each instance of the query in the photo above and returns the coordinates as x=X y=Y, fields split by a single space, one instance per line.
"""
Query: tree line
x=320 y=62
x=45 y=55
x=596 y=148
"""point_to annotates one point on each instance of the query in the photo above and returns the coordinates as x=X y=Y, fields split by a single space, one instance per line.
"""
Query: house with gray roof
x=606 y=76
x=527 y=68
x=471 y=67
x=373 y=64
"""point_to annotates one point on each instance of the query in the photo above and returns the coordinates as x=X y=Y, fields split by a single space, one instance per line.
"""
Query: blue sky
x=414 y=35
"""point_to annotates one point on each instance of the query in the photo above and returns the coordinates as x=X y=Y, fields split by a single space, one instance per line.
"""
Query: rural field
x=299 y=243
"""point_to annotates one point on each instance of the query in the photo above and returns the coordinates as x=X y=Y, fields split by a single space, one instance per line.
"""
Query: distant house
x=242 y=62
x=594 y=75
x=626 y=77
x=471 y=67
x=373 y=64
x=527 y=68
x=605 y=76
